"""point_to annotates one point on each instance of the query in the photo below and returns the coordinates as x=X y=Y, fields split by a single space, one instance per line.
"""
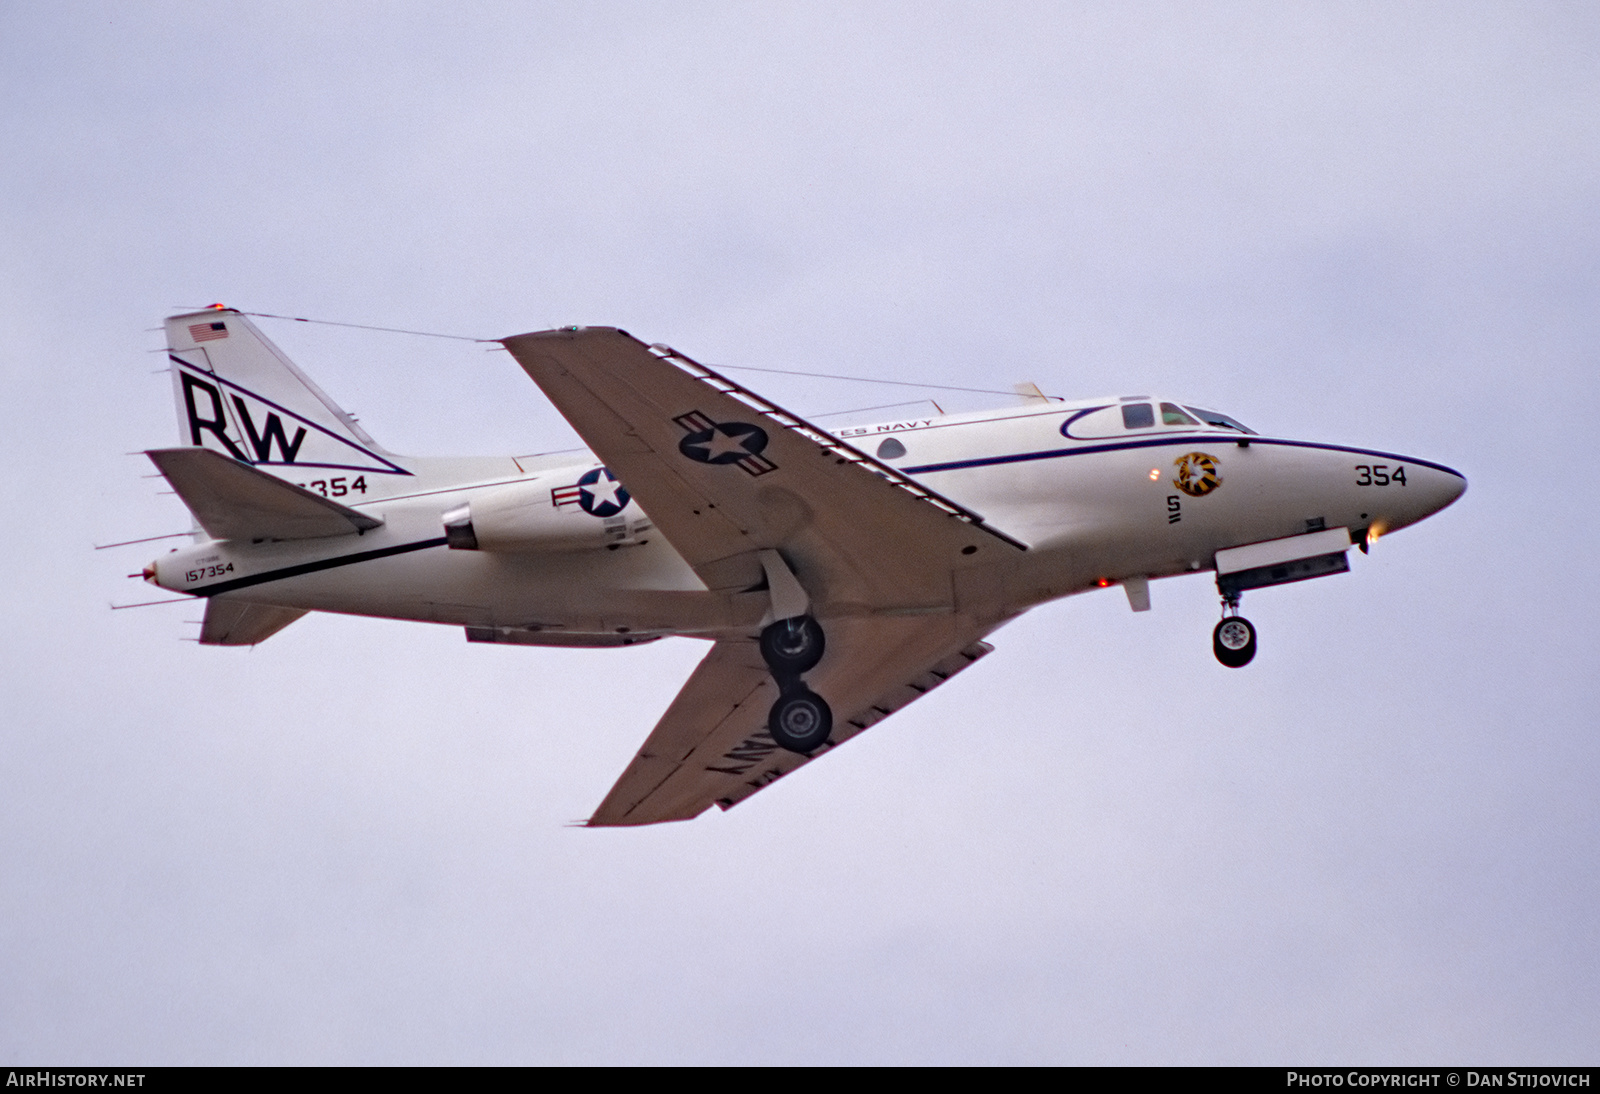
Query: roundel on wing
x=1197 y=474
x=725 y=442
x=601 y=494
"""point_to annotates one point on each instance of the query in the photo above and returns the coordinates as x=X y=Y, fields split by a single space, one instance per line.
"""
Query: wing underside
x=712 y=747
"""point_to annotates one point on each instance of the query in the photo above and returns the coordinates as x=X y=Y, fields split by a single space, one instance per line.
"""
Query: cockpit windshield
x=1221 y=421
x=1142 y=414
x=1172 y=414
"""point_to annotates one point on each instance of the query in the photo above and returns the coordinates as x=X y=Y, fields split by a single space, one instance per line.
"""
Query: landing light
x=1376 y=529
x=1155 y=473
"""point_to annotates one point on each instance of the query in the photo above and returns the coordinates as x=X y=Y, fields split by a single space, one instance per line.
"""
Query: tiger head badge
x=1197 y=474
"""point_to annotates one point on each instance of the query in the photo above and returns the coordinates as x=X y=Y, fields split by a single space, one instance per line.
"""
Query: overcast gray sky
x=1371 y=224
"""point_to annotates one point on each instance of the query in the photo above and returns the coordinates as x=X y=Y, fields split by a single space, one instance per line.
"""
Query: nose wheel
x=801 y=720
x=1234 y=639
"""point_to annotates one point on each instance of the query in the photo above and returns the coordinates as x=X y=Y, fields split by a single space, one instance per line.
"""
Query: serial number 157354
x=202 y=572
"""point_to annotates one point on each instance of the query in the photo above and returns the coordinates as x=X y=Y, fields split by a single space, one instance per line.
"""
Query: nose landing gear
x=1234 y=639
x=800 y=720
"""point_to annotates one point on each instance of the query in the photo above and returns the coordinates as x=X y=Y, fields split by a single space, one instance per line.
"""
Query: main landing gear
x=1234 y=640
x=800 y=720
x=793 y=646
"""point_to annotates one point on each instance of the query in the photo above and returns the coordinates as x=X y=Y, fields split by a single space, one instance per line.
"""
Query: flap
x=232 y=500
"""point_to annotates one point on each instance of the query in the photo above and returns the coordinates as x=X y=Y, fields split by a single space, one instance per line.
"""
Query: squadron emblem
x=1197 y=474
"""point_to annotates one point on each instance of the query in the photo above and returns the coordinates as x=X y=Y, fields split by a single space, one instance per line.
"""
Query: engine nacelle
x=530 y=516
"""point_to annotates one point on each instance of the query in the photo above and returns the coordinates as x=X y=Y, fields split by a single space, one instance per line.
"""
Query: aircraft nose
x=1430 y=488
x=1445 y=485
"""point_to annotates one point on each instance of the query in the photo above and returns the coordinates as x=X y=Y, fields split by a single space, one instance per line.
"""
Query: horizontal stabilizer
x=232 y=500
x=230 y=623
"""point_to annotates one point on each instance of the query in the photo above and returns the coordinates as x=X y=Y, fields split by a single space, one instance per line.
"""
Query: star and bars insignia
x=724 y=442
x=597 y=493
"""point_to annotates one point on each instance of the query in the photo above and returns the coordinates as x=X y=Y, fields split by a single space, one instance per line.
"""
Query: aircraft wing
x=712 y=747
x=724 y=474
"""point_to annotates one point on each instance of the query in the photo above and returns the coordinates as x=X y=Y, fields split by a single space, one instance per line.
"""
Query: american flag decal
x=208 y=332
x=565 y=495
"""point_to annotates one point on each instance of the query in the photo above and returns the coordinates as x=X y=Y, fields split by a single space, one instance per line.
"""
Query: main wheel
x=800 y=720
x=792 y=646
x=1234 y=642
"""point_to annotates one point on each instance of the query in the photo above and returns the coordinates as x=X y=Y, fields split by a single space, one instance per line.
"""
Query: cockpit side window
x=1137 y=416
x=1172 y=414
x=1221 y=421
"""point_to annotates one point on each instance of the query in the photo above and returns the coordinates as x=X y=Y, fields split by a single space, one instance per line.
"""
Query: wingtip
x=567 y=333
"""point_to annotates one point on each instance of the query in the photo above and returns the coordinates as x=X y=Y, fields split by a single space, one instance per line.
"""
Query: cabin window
x=1092 y=422
x=1137 y=416
x=891 y=449
x=1221 y=421
x=1172 y=414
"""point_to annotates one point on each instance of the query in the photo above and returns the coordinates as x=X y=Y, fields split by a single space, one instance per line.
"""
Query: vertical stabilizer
x=238 y=394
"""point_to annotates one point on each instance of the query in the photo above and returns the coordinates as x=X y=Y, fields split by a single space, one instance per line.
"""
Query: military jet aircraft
x=838 y=575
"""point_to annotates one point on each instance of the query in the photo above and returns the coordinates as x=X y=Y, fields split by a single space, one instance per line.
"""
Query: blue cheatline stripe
x=1162 y=442
x=314 y=567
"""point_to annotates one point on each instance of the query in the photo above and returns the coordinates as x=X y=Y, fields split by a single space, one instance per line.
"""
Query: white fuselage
x=1096 y=502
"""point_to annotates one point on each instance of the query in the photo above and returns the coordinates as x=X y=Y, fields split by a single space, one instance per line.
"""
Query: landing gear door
x=1281 y=561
